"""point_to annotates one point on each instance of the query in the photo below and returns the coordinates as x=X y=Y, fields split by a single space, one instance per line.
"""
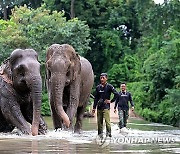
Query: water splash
x=90 y=136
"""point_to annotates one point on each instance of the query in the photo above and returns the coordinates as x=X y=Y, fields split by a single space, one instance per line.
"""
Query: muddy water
x=141 y=137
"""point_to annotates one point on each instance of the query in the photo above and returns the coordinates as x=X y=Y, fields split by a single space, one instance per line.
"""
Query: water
x=142 y=137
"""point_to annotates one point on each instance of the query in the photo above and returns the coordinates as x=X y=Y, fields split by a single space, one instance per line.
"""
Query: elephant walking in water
x=70 y=79
x=20 y=93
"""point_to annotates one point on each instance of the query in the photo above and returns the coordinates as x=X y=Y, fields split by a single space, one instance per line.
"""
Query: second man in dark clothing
x=122 y=101
x=102 y=102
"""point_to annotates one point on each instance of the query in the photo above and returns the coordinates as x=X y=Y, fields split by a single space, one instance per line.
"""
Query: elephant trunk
x=57 y=90
x=36 y=92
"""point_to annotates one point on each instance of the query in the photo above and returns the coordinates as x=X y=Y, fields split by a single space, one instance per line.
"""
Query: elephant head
x=26 y=78
x=63 y=68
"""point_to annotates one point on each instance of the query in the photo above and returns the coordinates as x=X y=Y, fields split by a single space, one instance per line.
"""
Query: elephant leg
x=74 y=102
x=12 y=113
x=79 y=117
x=71 y=112
x=42 y=126
x=4 y=125
x=29 y=117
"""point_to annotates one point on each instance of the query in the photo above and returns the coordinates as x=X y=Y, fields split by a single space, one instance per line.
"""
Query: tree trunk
x=72 y=9
x=5 y=13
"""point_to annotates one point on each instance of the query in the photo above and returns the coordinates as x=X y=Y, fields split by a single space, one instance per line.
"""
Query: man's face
x=103 y=79
x=123 y=87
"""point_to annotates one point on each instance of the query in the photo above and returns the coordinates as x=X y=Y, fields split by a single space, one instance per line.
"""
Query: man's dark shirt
x=103 y=93
x=122 y=101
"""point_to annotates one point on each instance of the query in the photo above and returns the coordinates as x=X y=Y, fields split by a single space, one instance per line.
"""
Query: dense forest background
x=134 y=41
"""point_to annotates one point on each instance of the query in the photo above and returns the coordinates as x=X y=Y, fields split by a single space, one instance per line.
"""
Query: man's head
x=103 y=78
x=123 y=86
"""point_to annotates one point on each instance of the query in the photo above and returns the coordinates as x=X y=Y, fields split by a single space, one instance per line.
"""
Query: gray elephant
x=70 y=79
x=20 y=93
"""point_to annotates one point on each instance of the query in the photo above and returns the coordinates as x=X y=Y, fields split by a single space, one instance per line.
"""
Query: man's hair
x=123 y=83
x=104 y=74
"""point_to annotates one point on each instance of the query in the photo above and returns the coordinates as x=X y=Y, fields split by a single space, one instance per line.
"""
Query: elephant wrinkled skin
x=69 y=80
x=20 y=93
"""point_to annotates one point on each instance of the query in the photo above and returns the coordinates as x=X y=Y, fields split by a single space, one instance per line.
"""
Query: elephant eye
x=36 y=56
x=21 y=70
x=68 y=73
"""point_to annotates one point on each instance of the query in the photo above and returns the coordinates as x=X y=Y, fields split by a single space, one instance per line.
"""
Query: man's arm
x=113 y=90
x=116 y=102
x=130 y=99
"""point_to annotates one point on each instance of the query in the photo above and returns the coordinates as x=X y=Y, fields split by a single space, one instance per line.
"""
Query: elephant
x=20 y=93
x=69 y=81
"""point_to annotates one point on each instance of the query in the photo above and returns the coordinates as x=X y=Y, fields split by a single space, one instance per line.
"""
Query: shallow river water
x=142 y=137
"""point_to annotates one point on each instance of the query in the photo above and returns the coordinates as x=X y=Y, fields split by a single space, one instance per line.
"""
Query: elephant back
x=86 y=68
x=87 y=80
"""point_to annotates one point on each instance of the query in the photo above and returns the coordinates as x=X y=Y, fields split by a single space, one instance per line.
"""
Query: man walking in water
x=123 y=107
x=102 y=102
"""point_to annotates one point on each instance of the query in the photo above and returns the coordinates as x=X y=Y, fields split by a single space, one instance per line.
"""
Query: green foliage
x=162 y=68
x=127 y=71
x=113 y=29
x=112 y=47
x=167 y=111
x=150 y=115
x=141 y=92
x=45 y=110
x=117 y=74
x=10 y=38
x=157 y=66
x=43 y=28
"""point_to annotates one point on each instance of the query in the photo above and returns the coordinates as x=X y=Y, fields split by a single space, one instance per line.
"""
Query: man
x=102 y=102
x=123 y=107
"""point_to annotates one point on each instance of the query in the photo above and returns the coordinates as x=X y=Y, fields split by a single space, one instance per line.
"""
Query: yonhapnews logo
x=103 y=140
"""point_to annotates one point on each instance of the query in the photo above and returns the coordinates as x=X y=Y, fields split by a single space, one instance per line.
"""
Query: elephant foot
x=70 y=128
x=57 y=129
x=78 y=127
x=78 y=131
x=22 y=132
x=42 y=129
x=26 y=130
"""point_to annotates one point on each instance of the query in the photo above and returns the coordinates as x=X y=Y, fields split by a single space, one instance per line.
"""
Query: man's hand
x=115 y=111
x=132 y=108
x=93 y=111
x=107 y=101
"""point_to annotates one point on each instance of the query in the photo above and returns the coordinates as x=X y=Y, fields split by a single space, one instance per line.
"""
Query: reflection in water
x=34 y=146
x=86 y=142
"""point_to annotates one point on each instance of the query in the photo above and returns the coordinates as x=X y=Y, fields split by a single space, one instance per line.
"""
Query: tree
x=7 y=5
x=39 y=28
x=72 y=9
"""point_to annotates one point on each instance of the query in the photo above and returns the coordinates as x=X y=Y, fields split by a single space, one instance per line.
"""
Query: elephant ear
x=75 y=66
x=5 y=69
